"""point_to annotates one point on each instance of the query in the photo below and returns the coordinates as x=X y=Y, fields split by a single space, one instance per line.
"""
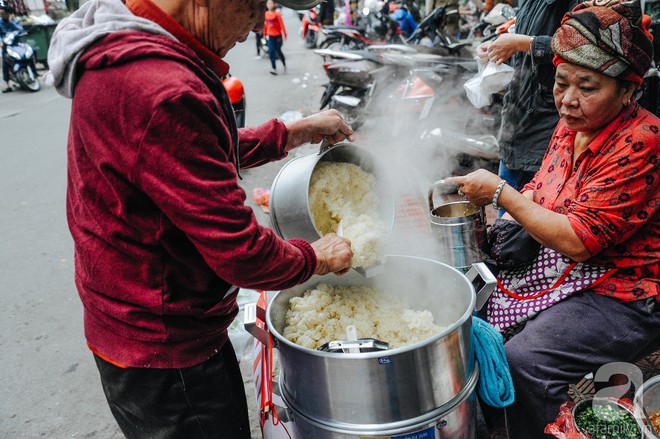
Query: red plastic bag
x=262 y=198
x=564 y=425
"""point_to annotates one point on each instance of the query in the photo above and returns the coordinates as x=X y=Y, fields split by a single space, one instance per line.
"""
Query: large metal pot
x=384 y=392
x=290 y=214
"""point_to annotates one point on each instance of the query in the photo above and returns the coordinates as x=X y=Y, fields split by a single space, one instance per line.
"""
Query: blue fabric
x=495 y=385
x=407 y=23
x=7 y=26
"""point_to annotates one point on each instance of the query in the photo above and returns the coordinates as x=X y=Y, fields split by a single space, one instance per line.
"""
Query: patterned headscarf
x=608 y=36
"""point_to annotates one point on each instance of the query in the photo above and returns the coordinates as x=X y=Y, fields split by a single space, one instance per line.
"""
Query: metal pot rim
x=314 y=160
x=581 y=404
x=467 y=314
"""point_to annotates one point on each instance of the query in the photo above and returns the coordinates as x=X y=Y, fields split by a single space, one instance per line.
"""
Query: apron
x=522 y=293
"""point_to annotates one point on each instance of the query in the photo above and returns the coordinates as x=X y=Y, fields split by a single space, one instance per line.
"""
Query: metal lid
x=299 y=4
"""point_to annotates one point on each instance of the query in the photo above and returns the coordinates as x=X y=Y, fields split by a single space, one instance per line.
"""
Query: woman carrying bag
x=588 y=295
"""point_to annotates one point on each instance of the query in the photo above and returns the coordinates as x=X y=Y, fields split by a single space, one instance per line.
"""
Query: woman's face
x=587 y=100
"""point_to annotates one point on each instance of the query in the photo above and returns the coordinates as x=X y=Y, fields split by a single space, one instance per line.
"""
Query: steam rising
x=415 y=151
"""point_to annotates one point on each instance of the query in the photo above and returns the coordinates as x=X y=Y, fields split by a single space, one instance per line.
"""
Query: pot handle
x=324 y=146
x=432 y=190
x=251 y=315
x=485 y=284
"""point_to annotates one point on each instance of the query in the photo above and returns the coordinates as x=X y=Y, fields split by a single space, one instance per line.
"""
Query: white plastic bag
x=490 y=79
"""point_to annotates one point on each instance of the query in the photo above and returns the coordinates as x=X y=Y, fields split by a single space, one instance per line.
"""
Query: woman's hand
x=550 y=229
x=482 y=51
x=507 y=45
x=478 y=186
x=328 y=125
x=333 y=254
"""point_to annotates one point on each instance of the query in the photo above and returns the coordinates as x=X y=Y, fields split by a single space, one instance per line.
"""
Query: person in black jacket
x=529 y=115
x=327 y=12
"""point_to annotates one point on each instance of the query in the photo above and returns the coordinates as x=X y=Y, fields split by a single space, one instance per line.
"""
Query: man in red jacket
x=163 y=239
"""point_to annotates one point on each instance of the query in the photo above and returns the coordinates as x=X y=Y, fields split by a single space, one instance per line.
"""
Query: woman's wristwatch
x=498 y=191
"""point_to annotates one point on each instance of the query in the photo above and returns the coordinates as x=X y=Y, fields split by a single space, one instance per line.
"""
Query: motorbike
x=487 y=26
x=21 y=61
x=361 y=81
x=440 y=132
x=376 y=28
x=311 y=27
x=431 y=33
x=236 y=93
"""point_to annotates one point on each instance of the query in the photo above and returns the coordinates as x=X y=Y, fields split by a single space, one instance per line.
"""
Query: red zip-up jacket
x=274 y=25
x=161 y=231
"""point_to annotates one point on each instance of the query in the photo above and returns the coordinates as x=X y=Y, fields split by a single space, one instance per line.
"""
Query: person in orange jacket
x=275 y=31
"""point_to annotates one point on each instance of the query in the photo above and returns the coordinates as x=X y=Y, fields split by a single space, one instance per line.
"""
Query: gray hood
x=93 y=21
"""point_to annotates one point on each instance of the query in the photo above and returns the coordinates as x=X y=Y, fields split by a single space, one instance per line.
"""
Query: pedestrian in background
x=275 y=31
x=529 y=115
x=258 y=36
x=327 y=12
x=162 y=235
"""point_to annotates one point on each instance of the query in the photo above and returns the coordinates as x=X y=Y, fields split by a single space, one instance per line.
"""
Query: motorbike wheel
x=28 y=82
x=311 y=39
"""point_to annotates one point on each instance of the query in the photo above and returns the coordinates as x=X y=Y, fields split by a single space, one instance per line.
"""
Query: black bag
x=509 y=245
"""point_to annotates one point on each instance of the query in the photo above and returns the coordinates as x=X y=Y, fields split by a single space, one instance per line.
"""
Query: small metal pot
x=647 y=402
x=460 y=228
x=583 y=405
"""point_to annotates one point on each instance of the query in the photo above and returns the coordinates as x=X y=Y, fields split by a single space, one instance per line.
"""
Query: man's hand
x=333 y=254
x=328 y=125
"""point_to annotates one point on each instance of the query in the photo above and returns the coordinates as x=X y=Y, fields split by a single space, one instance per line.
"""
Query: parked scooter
x=21 y=61
x=453 y=132
x=431 y=32
x=487 y=26
x=311 y=27
x=376 y=27
x=362 y=80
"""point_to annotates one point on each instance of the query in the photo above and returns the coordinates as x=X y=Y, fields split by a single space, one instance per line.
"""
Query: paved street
x=49 y=385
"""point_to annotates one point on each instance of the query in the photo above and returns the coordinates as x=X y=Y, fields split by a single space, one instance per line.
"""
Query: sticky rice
x=344 y=191
x=322 y=314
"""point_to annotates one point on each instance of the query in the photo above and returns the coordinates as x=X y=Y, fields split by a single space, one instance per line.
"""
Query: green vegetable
x=607 y=421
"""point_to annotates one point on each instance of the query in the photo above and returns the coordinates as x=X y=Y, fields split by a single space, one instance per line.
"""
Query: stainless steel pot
x=390 y=389
x=615 y=406
x=460 y=228
x=646 y=403
x=451 y=421
x=290 y=214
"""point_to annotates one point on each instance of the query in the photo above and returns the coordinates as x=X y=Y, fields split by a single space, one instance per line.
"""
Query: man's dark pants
x=564 y=343
x=199 y=402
